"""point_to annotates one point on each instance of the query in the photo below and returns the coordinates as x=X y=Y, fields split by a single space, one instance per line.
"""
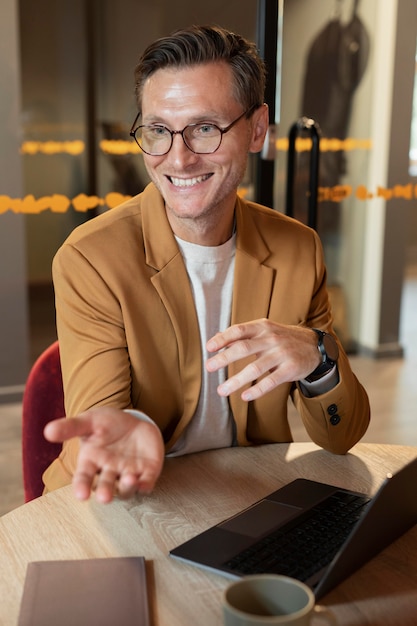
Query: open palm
x=118 y=452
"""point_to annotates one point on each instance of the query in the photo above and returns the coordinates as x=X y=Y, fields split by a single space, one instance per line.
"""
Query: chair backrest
x=43 y=401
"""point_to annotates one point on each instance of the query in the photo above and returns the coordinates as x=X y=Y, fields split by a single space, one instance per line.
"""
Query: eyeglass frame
x=224 y=130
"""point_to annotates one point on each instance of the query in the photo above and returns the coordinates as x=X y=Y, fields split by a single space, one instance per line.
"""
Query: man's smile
x=188 y=182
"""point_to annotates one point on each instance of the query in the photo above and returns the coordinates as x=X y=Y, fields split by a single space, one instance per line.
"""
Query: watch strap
x=327 y=363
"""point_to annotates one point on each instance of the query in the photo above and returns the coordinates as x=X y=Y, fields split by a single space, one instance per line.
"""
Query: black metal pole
x=267 y=34
x=304 y=124
x=90 y=92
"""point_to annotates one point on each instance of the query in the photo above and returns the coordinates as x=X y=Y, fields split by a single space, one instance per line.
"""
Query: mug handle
x=326 y=615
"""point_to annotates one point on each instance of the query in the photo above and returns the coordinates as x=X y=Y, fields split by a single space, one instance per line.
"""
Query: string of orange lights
x=58 y=203
x=122 y=147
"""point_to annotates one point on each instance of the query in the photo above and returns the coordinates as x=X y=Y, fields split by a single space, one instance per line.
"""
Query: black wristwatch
x=329 y=351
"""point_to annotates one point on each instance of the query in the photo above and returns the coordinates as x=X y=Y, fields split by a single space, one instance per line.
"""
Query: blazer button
x=332 y=409
x=335 y=419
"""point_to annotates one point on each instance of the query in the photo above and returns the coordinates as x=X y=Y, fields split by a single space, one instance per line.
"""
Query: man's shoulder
x=123 y=222
x=266 y=219
x=109 y=221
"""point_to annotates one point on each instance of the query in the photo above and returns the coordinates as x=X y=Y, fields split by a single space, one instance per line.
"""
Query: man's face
x=198 y=186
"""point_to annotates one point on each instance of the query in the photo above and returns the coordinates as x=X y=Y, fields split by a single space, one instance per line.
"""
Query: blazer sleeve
x=338 y=419
x=94 y=357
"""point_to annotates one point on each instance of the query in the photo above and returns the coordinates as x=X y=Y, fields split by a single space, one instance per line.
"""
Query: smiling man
x=187 y=316
x=199 y=189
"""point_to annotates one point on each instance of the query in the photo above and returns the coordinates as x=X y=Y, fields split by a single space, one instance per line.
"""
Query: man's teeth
x=187 y=182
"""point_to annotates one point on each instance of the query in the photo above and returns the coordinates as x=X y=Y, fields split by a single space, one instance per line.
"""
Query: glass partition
x=77 y=64
x=327 y=77
x=413 y=134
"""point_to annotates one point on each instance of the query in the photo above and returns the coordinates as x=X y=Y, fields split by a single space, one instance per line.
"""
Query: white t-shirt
x=210 y=270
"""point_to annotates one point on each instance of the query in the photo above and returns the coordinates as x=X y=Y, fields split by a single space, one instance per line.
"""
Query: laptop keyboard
x=306 y=545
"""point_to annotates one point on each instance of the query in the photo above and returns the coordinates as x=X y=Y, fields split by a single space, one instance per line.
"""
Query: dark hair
x=207 y=44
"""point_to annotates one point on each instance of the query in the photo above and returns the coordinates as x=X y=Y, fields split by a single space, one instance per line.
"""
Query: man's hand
x=118 y=452
x=280 y=354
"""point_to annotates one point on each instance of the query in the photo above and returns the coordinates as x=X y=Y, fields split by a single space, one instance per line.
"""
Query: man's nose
x=180 y=153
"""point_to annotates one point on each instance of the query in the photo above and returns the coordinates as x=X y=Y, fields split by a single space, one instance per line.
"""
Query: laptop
x=308 y=530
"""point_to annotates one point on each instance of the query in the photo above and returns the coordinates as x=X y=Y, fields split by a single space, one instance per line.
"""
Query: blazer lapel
x=252 y=291
x=173 y=286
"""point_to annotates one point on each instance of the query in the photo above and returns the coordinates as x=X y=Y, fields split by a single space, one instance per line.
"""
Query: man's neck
x=203 y=231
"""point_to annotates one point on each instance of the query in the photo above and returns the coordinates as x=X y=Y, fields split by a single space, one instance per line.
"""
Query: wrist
x=329 y=352
x=320 y=386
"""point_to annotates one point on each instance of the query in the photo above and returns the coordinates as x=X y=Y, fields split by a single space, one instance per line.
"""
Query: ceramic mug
x=272 y=600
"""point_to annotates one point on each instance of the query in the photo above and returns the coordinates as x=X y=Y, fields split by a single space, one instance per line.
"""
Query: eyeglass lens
x=200 y=138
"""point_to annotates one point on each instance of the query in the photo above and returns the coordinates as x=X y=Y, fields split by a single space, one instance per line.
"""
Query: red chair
x=43 y=401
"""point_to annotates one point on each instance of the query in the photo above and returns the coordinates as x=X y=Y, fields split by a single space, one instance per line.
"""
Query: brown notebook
x=87 y=592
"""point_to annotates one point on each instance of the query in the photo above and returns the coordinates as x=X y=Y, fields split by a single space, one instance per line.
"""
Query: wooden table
x=194 y=492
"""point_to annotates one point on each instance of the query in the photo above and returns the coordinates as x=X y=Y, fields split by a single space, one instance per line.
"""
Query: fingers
x=266 y=370
x=232 y=334
x=82 y=485
x=128 y=485
x=235 y=343
x=114 y=478
x=277 y=353
x=62 y=429
x=108 y=484
x=267 y=378
x=249 y=340
x=240 y=350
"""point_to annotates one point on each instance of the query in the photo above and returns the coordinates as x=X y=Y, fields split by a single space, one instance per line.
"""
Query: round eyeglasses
x=200 y=138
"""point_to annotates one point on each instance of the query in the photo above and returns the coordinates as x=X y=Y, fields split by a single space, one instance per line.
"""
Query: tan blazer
x=128 y=329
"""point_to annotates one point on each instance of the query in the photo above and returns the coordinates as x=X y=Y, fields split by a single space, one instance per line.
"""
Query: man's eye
x=206 y=129
x=159 y=131
x=155 y=132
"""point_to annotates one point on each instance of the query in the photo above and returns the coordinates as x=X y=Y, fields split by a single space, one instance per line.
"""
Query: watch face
x=331 y=347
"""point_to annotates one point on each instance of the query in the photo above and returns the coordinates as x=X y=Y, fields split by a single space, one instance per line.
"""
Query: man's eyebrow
x=214 y=117
x=153 y=120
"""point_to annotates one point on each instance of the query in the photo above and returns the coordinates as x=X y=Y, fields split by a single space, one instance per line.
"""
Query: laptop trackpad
x=260 y=519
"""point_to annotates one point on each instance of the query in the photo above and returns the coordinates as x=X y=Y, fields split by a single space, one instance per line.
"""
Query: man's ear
x=260 y=121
